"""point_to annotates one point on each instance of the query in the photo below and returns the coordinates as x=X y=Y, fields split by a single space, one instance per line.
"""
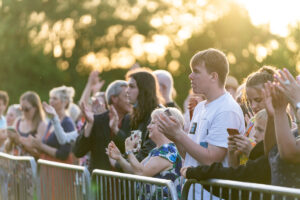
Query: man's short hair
x=114 y=89
x=214 y=60
x=4 y=97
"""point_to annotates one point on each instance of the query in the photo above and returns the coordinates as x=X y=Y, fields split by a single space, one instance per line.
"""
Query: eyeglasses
x=26 y=109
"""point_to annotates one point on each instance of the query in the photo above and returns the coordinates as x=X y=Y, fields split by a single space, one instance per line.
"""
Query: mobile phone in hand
x=232 y=131
x=167 y=111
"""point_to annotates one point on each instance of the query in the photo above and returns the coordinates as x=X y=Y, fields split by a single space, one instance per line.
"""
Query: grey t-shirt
x=283 y=173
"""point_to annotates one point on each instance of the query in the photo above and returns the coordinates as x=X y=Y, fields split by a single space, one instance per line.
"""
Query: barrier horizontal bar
x=246 y=186
x=138 y=178
x=20 y=158
x=132 y=177
x=60 y=165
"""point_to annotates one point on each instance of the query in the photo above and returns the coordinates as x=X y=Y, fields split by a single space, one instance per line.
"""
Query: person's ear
x=214 y=76
x=114 y=99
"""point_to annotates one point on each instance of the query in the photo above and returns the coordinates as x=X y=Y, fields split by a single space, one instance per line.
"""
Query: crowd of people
x=246 y=132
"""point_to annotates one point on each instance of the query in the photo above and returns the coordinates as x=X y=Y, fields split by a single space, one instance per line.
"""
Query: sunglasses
x=25 y=109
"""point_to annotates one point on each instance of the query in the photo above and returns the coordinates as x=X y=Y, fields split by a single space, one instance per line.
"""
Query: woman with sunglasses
x=30 y=125
x=60 y=99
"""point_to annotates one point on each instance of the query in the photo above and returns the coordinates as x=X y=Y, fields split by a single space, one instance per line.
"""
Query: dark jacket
x=99 y=139
x=256 y=170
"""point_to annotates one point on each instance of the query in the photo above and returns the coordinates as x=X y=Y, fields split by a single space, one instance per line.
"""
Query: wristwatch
x=127 y=153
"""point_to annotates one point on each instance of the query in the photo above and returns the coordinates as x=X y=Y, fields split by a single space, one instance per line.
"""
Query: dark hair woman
x=143 y=94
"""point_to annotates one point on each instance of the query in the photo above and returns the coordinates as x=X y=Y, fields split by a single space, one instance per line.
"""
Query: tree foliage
x=48 y=43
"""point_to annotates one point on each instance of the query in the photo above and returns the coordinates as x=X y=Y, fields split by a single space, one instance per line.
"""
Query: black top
x=99 y=139
x=256 y=170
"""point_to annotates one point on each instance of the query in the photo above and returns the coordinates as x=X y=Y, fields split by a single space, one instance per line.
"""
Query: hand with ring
x=287 y=82
x=289 y=86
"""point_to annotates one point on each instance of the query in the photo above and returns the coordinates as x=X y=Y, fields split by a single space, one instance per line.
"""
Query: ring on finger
x=287 y=82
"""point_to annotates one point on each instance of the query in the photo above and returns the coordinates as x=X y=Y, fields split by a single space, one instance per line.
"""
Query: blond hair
x=262 y=116
x=174 y=112
x=64 y=93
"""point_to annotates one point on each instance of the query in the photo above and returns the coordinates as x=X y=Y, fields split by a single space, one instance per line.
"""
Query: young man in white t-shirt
x=206 y=141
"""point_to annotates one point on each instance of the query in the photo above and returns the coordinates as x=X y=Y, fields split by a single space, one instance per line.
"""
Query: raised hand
x=268 y=87
x=97 y=86
x=279 y=100
x=289 y=86
x=93 y=78
x=113 y=120
x=49 y=110
x=97 y=106
x=89 y=115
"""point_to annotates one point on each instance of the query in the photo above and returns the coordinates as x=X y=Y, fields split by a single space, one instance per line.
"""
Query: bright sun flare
x=278 y=13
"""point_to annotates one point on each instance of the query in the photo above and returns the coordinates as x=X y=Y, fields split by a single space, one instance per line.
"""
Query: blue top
x=63 y=151
x=2 y=122
x=170 y=153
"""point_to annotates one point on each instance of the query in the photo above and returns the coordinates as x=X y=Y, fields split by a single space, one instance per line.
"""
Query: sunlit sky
x=175 y=25
x=278 y=13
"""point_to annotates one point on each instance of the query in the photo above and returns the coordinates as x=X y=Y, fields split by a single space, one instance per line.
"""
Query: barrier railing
x=62 y=181
x=17 y=177
x=18 y=181
x=235 y=190
x=114 y=185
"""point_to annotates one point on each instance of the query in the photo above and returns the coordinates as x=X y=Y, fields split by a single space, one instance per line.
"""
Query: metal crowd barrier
x=113 y=185
x=62 y=181
x=235 y=190
x=17 y=177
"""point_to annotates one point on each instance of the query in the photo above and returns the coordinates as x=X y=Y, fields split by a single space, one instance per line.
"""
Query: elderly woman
x=60 y=99
x=163 y=161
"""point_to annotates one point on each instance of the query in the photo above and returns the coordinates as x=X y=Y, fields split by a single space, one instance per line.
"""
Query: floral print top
x=170 y=153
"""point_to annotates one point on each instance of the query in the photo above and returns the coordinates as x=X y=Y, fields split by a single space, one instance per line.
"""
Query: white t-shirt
x=209 y=126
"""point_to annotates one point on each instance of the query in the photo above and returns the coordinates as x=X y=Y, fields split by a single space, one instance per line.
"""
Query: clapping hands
x=113 y=152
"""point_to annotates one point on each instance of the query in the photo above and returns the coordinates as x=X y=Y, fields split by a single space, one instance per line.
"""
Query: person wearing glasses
x=30 y=125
